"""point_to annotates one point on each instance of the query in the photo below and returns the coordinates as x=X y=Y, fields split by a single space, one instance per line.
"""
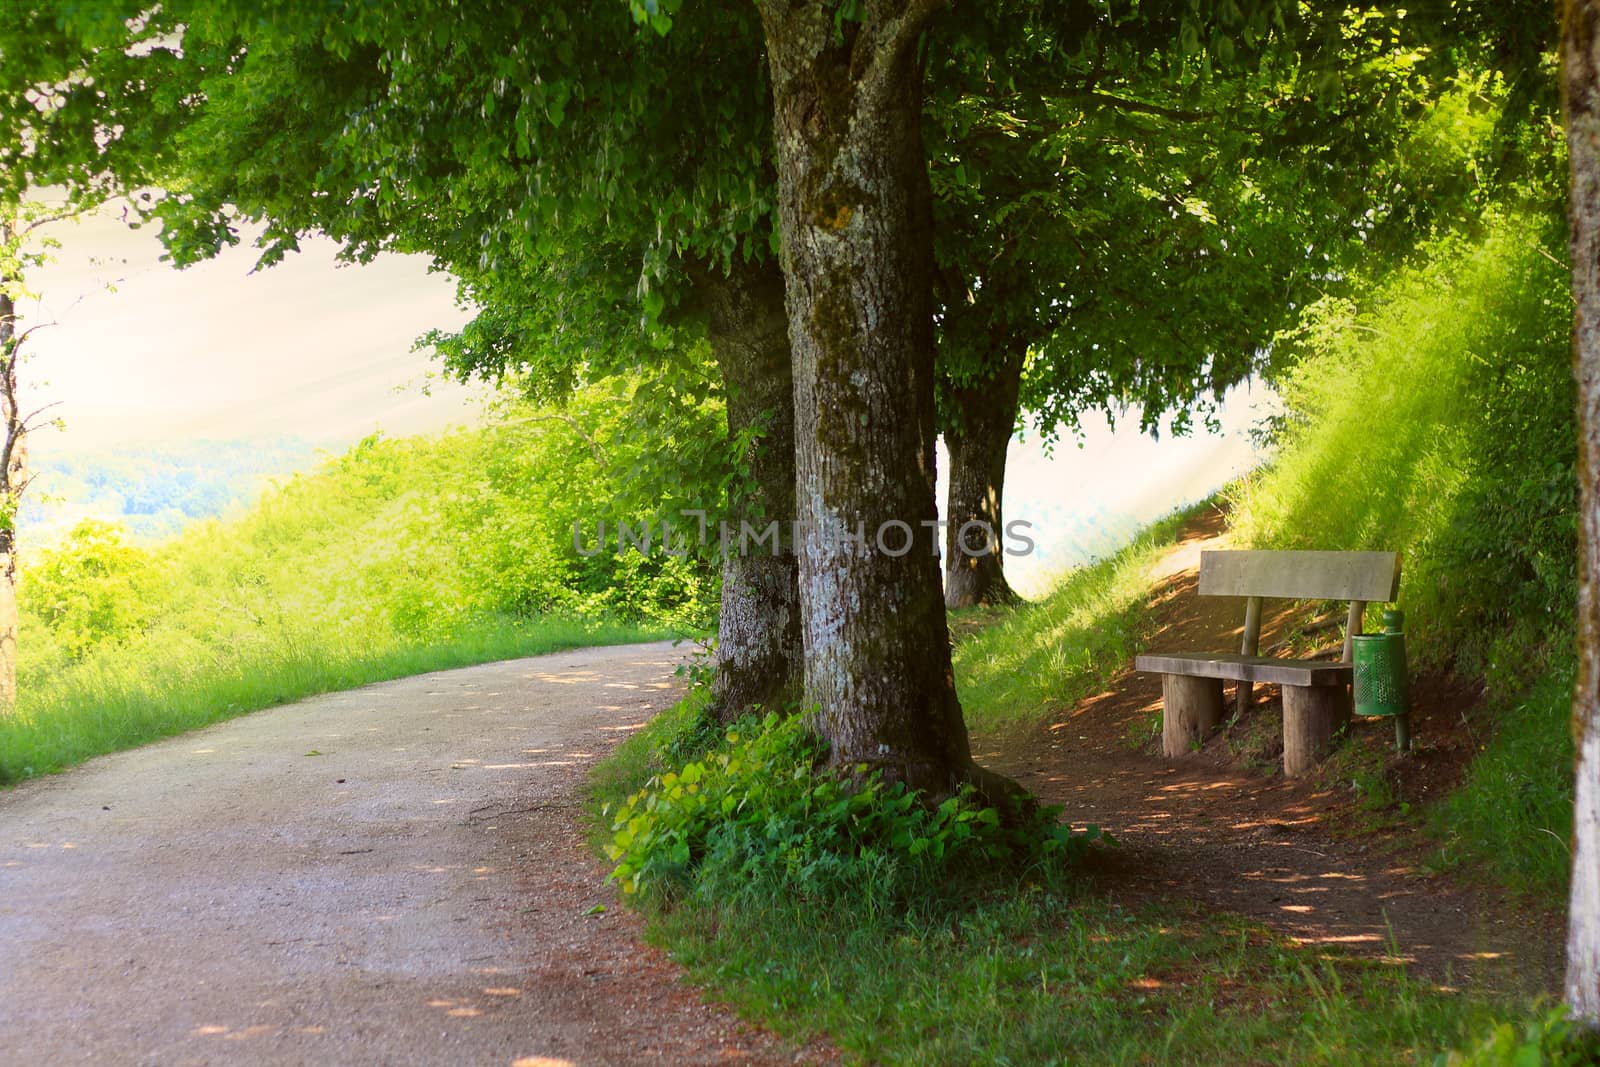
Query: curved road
x=391 y=875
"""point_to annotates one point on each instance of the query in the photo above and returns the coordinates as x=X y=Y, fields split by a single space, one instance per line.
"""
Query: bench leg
x=1191 y=710
x=1312 y=716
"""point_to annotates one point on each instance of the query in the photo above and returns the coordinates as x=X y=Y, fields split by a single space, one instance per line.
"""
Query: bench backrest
x=1373 y=577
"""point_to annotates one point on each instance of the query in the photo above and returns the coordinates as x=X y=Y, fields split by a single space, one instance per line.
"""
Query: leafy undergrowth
x=909 y=936
x=754 y=808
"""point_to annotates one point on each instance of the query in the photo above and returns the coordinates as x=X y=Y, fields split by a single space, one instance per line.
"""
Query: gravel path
x=391 y=875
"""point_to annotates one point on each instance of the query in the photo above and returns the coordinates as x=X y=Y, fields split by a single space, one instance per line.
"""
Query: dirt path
x=1205 y=832
x=392 y=875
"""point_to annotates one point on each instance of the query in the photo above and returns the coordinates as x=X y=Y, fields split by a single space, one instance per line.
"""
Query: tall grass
x=1053 y=652
x=1512 y=816
x=1435 y=415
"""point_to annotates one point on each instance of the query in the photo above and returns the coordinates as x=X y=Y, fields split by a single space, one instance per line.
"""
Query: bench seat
x=1237 y=668
x=1316 y=693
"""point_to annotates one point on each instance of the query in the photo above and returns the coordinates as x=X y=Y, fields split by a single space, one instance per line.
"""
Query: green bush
x=91 y=589
x=1547 y=1041
x=755 y=810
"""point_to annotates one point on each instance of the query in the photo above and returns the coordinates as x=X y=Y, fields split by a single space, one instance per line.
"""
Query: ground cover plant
x=825 y=912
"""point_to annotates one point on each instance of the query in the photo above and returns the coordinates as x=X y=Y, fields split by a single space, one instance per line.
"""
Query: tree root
x=1016 y=805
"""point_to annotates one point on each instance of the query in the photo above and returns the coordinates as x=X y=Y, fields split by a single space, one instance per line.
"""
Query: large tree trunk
x=854 y=208
x=974 y=571
x=759 y=656
x=1580 y=46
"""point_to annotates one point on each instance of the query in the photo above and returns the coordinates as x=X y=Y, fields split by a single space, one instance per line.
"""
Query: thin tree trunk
x=1580 y=46
x=854 y=207
x=8 y=628
x=13 y=472
x=974 y=564
x=759 y=656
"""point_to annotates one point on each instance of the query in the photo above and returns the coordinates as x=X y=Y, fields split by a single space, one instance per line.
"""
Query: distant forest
x=155 y=489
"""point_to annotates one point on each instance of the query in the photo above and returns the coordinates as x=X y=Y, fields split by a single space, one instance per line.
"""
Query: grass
x=1512 y=816
x=1053 y=652
x=1025 y=966
x=114 y=703
x=1030 y=973
x=399 y=557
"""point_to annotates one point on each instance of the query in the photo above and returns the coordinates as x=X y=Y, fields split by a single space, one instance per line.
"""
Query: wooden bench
x=1316 y=693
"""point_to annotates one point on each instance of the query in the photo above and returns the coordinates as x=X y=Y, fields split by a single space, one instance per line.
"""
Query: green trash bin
x=1379 y=685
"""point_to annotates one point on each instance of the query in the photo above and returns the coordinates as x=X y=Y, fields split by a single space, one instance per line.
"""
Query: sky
x=1085 y=501
x=305 y=349
x=313 y=350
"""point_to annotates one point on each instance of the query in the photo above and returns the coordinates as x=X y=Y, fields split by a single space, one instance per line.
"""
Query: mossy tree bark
x=974 y=565
x=759 y=657
x=1580 y=47
x=855 y=217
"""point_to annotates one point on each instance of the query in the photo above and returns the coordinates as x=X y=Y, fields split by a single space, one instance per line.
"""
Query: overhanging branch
x=1122 y=103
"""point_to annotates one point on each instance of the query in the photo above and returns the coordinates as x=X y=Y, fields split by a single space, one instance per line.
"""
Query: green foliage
x=399 y=554
x=83 y=101
x=1087 y=163
x=1549 y=1040
x=88 y=590
x=627 y=450
x=538 y=154
x=1435 y=415
x=755 y=811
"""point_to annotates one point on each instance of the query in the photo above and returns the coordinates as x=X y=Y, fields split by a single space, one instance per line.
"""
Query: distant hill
x=155 y=490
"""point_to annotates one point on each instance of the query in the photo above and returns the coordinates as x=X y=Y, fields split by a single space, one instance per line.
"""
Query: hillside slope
x=400 y=556
x=1334 y=859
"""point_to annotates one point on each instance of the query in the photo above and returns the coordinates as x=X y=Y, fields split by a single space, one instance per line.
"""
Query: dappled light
x=574 y=677
x=482 y=742
x=246 y=1033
